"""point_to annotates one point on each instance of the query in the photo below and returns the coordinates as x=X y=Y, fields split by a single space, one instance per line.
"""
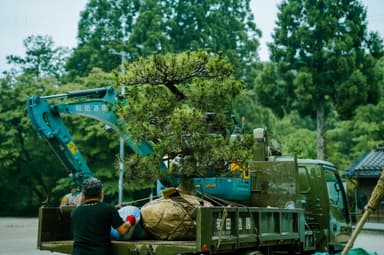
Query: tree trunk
x=320 y=119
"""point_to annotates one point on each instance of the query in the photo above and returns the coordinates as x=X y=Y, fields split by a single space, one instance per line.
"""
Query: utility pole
x=123 y=55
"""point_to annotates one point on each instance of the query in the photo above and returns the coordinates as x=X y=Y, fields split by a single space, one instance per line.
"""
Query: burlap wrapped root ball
x=171 y=219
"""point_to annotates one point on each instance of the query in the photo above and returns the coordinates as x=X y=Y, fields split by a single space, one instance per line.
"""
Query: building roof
x=367 y=165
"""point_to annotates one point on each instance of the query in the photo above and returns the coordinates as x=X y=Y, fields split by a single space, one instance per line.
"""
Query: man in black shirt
x=92 y=221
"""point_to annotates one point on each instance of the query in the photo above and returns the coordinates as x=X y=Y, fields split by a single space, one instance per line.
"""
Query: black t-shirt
x=91 y=225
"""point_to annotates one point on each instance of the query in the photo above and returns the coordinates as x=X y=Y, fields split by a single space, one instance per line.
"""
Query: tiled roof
x=367 y=165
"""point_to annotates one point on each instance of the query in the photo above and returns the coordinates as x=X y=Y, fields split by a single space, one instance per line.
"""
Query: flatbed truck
x=219 y=230
x=294 y=206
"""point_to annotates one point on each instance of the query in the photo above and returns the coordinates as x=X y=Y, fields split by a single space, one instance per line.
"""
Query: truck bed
x=121 y=247
x=218 y=229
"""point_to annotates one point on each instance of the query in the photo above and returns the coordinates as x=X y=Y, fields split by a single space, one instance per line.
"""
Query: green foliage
x=103 y=25
x=299 y=141
x=349 y=139
x=273 y=90
x=221 y=26
x=323 y=59
x=149 y=34
x=180 y=103
x=27 y=175
x=143 y=28
x=327 y=42
x=42 y=58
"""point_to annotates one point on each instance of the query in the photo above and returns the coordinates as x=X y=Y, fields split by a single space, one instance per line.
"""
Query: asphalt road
x=18 y=236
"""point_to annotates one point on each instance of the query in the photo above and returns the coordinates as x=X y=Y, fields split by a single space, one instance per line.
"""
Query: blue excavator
x=96 y=103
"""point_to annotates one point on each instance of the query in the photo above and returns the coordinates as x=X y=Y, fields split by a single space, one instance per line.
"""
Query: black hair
x=91 y=187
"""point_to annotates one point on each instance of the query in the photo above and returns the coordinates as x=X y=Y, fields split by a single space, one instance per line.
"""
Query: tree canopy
x=142 y=28
x=181 y=104
x=42 y=58
x=322 y=57
x=26 y=172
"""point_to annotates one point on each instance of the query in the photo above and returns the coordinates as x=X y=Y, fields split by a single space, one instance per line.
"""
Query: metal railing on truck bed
x=231 y=229
x=218 y=230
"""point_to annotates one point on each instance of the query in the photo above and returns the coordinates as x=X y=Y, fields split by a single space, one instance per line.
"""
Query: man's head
x=92 y=188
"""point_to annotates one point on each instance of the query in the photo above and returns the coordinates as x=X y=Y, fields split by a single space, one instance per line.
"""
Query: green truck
x=218 y=230
x=283 y=205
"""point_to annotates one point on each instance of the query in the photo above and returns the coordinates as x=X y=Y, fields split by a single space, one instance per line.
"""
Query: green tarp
x=354 y=251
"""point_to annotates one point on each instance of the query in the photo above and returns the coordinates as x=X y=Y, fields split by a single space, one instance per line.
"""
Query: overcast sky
x=59 y=18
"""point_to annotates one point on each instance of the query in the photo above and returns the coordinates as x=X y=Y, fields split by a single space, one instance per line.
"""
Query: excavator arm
x=96 y=103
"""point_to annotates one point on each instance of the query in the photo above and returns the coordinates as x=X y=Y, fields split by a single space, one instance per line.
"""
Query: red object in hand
x=131 y=219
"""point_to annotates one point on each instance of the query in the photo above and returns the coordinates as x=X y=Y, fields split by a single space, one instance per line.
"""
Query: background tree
x=42 y=58
x=142 y=28
x=363 y=133
x=226 y=27
x=103 y=25
x=322 y=57
x=27 y=173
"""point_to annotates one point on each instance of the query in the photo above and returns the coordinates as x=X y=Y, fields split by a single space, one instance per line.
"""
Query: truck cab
x=323 y=197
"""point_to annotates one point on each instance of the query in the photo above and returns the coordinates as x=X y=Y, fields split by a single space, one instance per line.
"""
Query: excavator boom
x=96 y=103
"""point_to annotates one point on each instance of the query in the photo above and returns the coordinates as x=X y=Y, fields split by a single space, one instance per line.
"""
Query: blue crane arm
x=99 y=104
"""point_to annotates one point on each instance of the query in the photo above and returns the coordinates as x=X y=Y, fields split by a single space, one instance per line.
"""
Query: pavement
x=373 y=226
